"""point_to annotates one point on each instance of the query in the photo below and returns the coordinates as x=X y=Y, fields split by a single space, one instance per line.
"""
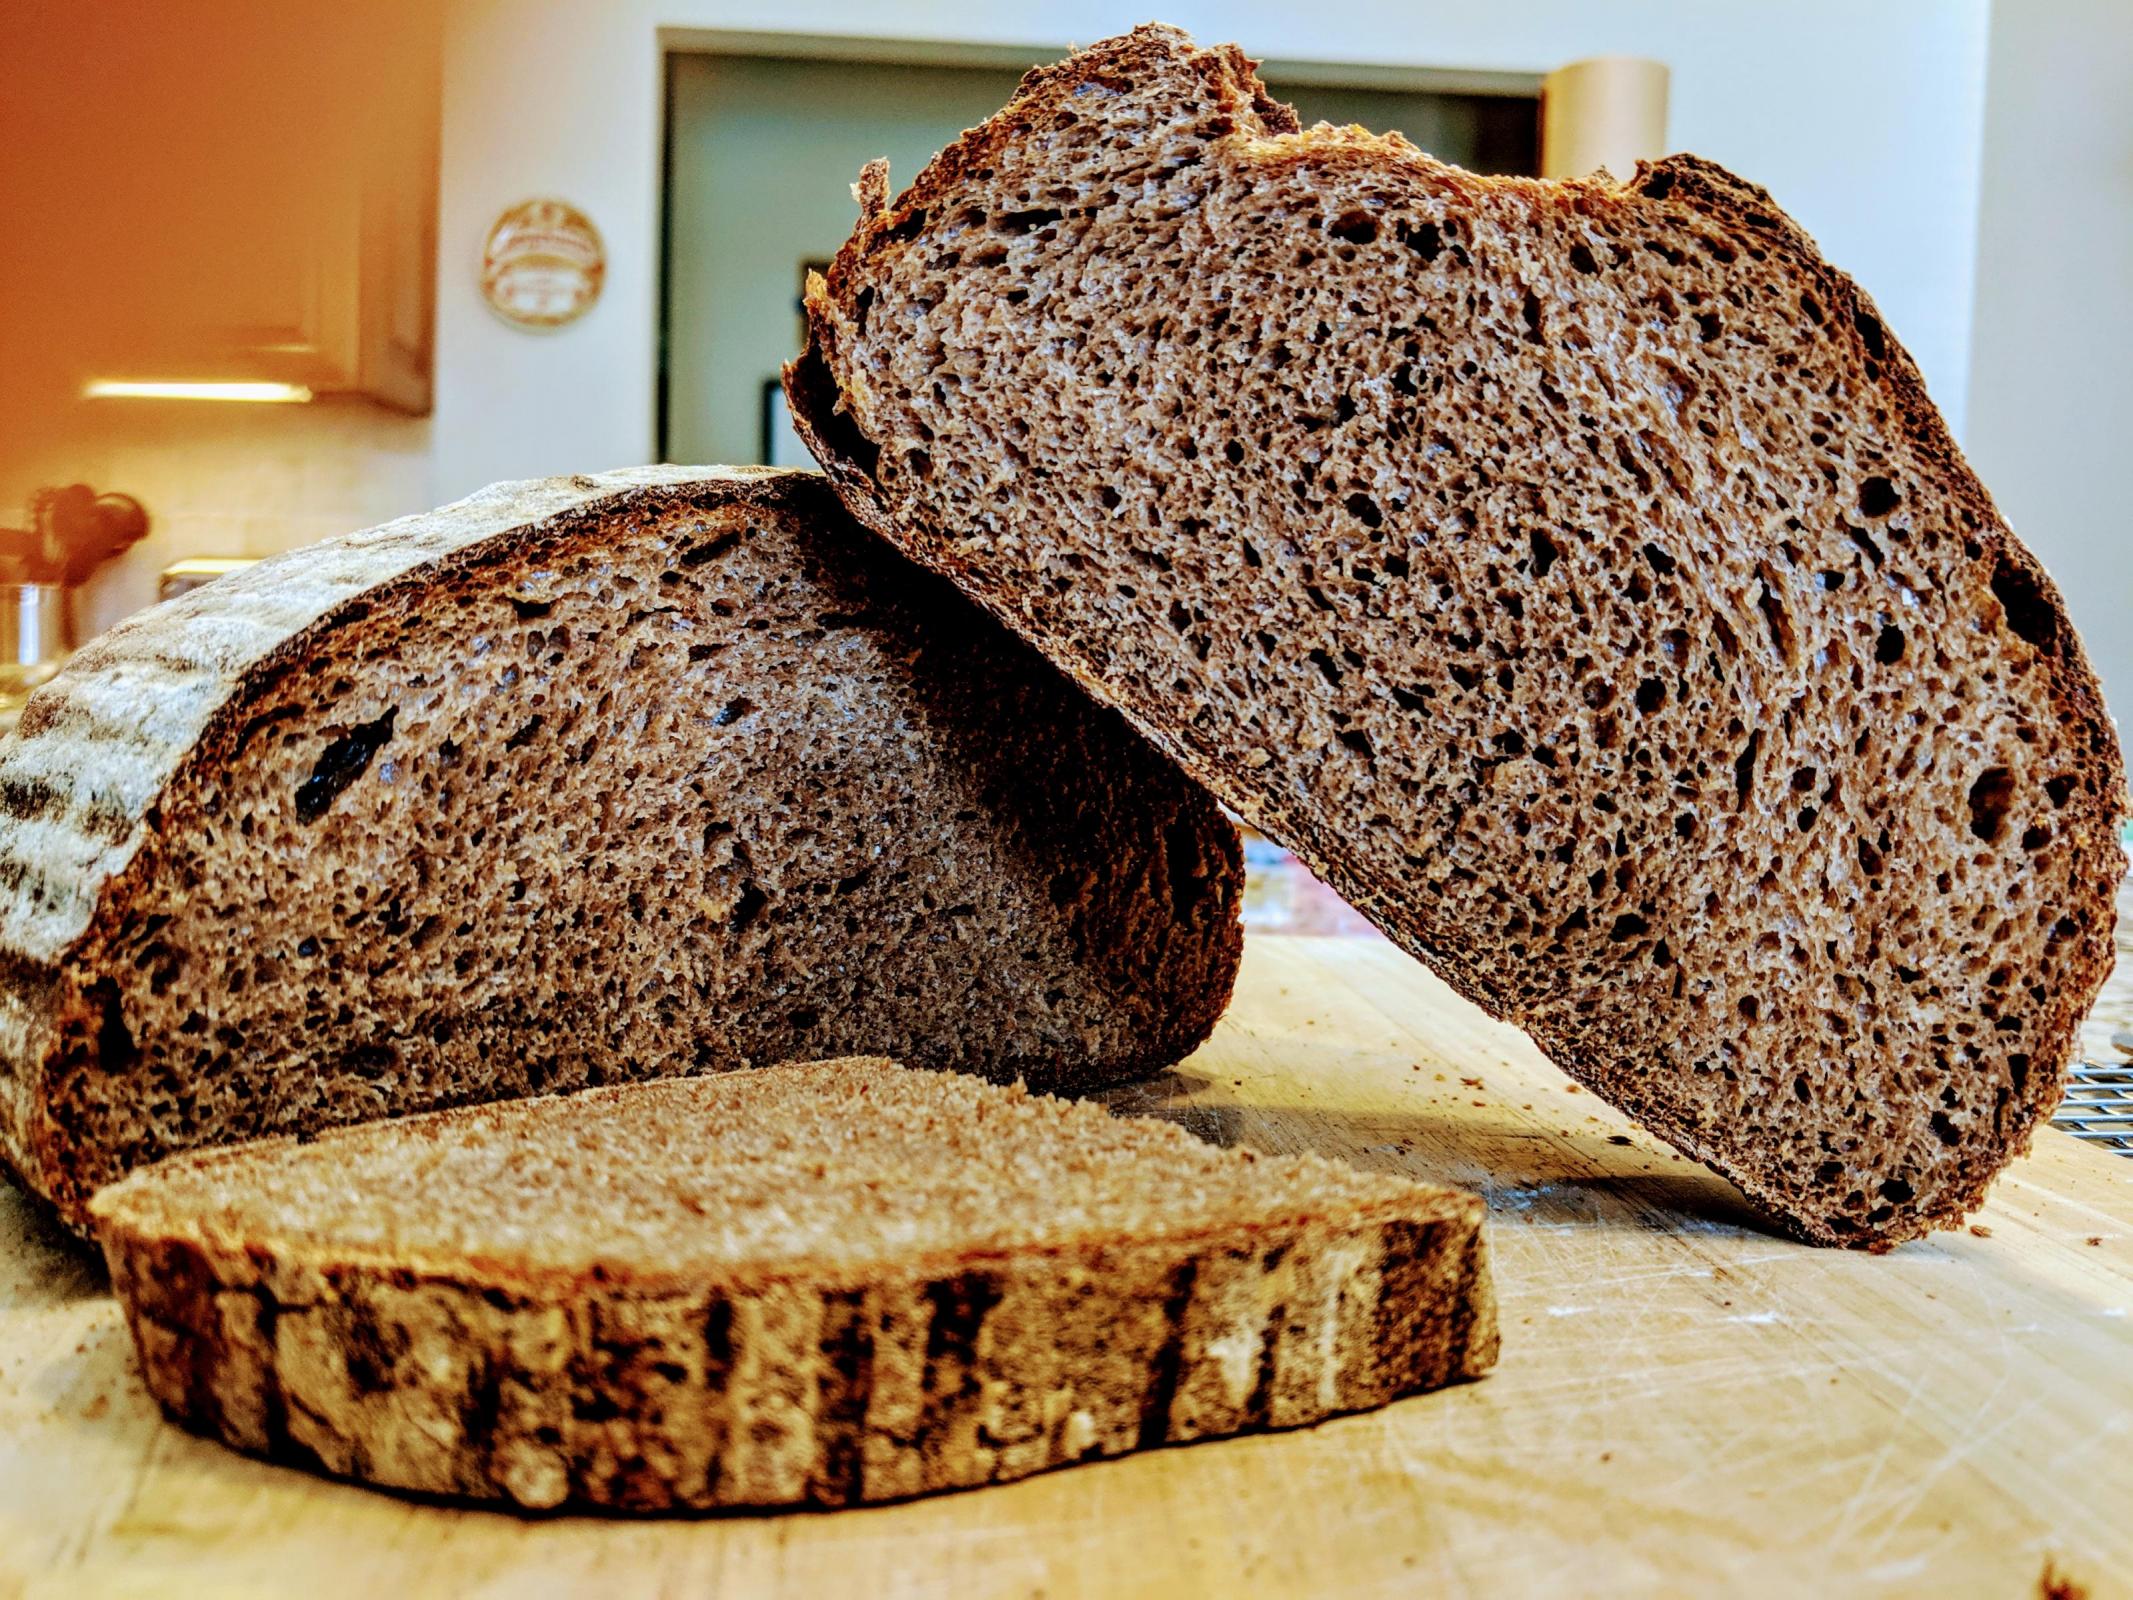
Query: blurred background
x=278 y=269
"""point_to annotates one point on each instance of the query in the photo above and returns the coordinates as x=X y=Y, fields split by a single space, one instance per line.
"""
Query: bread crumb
x=1619 y=1138
x=1981 y=1230
x=1471 y=1083
x=96 y=1408
x=2052 y=1584
x=2095 y=1239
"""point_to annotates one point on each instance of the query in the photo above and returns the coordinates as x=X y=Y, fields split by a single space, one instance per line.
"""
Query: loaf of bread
x=572 y=783
x=1574 y=573
x=826 y=1283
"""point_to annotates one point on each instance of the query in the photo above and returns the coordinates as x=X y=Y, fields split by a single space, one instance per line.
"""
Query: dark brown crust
x=60 y=1171
x=821 y=416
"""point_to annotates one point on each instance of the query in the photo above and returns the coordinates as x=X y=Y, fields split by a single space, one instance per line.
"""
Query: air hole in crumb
x=2029 y=614
x=1877 y=497
x=1871 y=332
x=1531 y=311
x=1888 y=648
x=1945 y=1130
x=1365 y=510
x=1750 y=1006
x=1990 y=798
x=919 y=462
x=1744 y=767
x=340 y=764
x=1651 y=695
x=1354 y=227
x=1025 y=221
x=1779 y=620
x=1109 y=496
x=2059 y=790
x=748 y=907
x=1628 y=926
x=732 y=711
x=1897 y=1190
x=1582 y=259
x=1544 y=552
x=2036 y=838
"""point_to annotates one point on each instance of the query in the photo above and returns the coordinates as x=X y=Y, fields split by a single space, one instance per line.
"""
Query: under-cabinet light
x=257 y=393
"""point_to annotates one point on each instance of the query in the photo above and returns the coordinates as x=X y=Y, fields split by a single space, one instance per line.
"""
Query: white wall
x=2052 y=381
x=1863 y=120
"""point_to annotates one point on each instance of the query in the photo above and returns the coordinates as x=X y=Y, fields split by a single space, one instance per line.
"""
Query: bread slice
x=572 y=783
x=1573 y=573
x=828 y=1283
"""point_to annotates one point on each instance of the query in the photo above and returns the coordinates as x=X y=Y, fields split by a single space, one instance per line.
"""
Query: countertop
x=1686 y=1402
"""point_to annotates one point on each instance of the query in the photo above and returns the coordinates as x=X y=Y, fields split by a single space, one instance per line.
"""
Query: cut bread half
x=572 y=783
x=1575 y=574
x=829 y=1283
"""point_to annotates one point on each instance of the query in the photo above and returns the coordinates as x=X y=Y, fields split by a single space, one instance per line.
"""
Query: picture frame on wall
x=782 y=446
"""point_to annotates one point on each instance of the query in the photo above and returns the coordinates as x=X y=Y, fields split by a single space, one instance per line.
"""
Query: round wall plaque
x=543 y=264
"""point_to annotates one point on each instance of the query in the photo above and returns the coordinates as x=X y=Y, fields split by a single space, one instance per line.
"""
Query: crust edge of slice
x=794 y=1383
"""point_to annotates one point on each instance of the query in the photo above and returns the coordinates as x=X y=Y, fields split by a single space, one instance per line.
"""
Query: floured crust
x=95 y=749
x=807 y=1368
x=1899 y=1181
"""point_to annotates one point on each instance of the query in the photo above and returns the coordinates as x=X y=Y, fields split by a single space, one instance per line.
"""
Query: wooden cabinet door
x=232 y=189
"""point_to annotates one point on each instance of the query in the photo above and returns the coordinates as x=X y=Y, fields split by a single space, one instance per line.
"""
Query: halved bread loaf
x=1573 y=573
x=829 y=1283
x=572 y=783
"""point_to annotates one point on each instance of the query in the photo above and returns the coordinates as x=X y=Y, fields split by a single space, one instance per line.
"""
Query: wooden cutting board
x=1686 y=1403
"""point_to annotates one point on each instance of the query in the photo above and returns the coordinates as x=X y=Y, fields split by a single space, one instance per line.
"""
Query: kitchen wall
x=1863 y=120
x=2051 y=388
x=227 y=480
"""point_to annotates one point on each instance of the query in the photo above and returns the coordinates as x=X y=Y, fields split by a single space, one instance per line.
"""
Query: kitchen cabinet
x=226 y=190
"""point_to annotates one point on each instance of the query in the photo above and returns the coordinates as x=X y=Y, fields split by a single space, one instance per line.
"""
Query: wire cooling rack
x=2099 y=1104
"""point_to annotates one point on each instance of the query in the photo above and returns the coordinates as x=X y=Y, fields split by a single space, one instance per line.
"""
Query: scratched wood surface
x=1686 y=1404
